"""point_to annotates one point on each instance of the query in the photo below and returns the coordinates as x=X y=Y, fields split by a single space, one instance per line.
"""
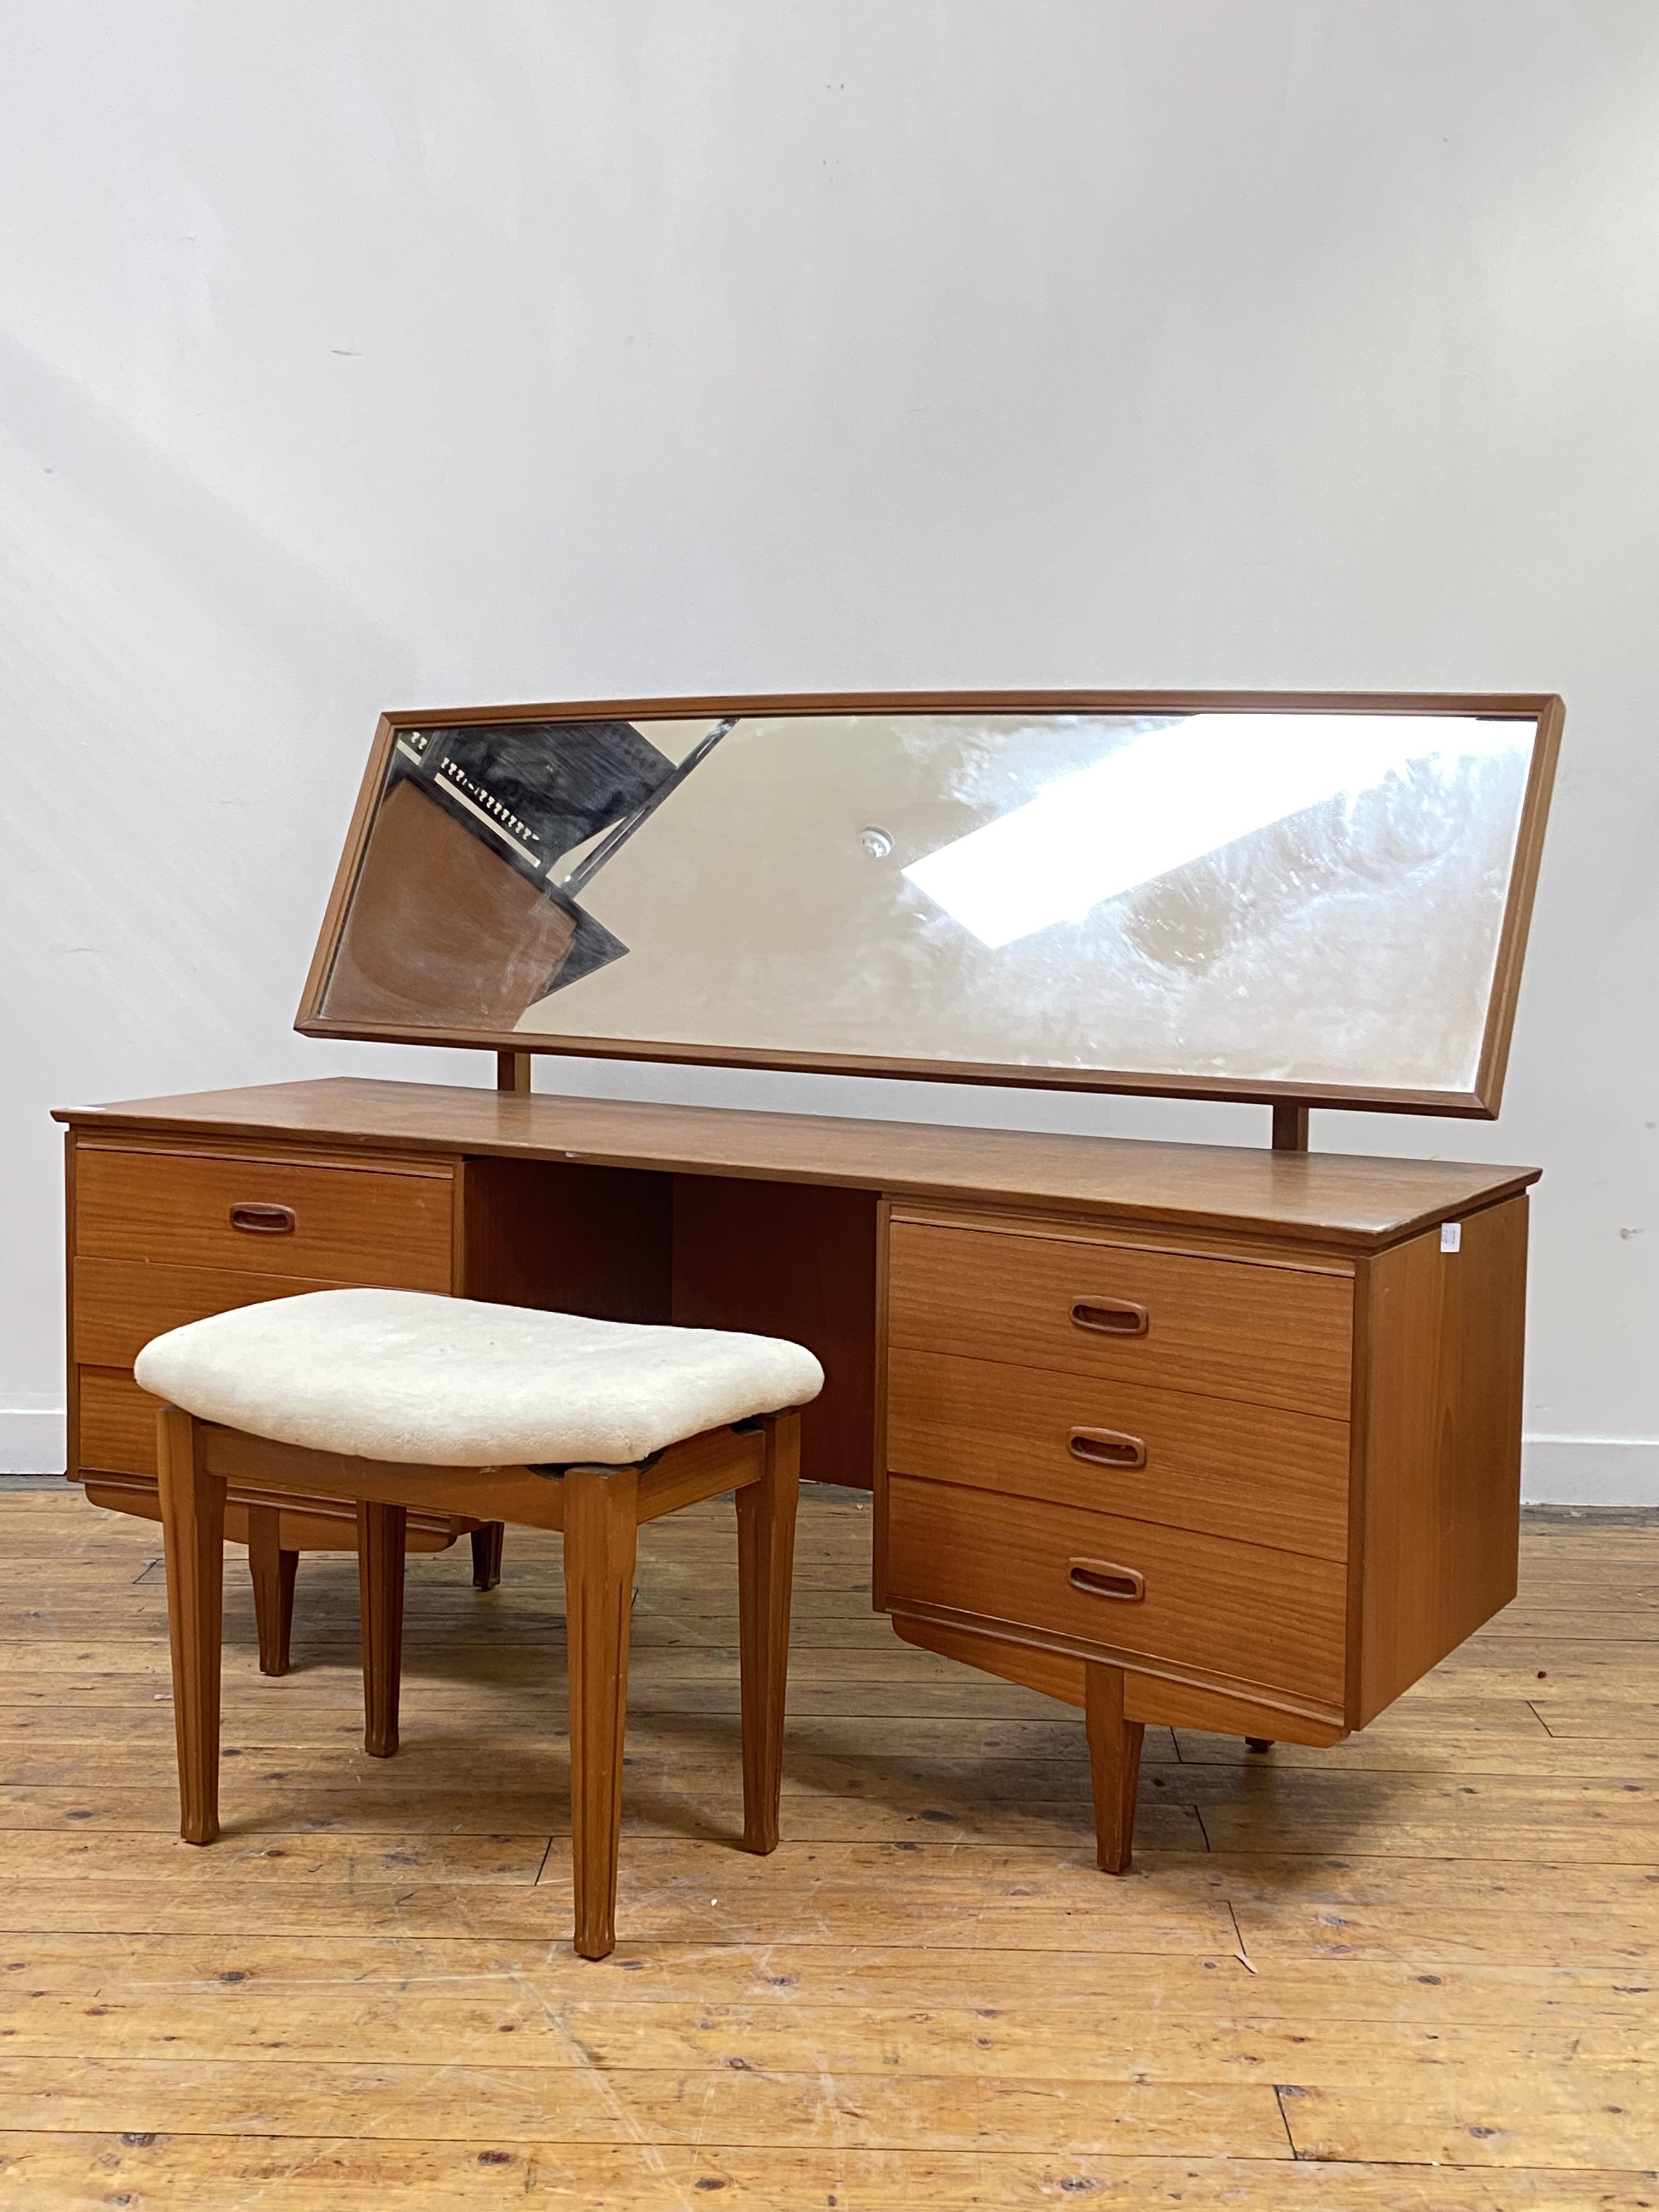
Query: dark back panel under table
x=700 y=1251
x=567 y=1237
x=794 y=1260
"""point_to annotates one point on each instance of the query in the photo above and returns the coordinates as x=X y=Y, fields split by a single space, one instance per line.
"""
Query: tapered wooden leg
x=1114 y=1765
x=1258 y=1743
x=766 y=1563
x=599 y=1534
x=273 y=1570
x=487 y=1555
x=193 y=1534
x=380 y=1533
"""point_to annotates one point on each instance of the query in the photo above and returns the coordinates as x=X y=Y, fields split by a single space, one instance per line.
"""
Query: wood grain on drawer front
x=1225 y=1329
x=118 y=1439
x=1257 y=1473
x=119 y=1304
x=319 y=1524
x=118 y=1423
x=1239 y=1612
x=363 y=1225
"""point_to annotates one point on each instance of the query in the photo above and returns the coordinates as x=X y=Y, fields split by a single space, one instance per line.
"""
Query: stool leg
x=380 y=1534
x=273 y=1570
x=766 y=1563
x=487 y=1555
x=599 y=1535
x=1114 y=1765
x=193 y=1533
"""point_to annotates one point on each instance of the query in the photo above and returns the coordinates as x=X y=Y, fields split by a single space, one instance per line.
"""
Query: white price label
x=1451 y=1236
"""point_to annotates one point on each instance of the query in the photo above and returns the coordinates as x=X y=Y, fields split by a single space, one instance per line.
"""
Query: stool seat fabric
x=407 y=1377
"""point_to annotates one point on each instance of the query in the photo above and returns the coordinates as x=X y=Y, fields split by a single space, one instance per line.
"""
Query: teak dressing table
x=1220 y=1437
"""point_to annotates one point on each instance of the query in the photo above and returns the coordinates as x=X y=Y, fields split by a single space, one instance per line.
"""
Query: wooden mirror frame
x=1481 y=1103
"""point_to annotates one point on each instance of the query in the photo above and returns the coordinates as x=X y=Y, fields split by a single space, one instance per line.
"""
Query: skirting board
x=1554 y=1470
x=1591 y=1470
x=31 y=1442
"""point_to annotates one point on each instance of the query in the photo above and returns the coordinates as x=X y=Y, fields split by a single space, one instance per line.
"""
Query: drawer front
x=1238 y=1612
x=316 y=1525
x=1222 y=1328
x=117 y=1424
x=264 y=1217
x=1256 y=1472
x=119 y=1304
x=118 y=1439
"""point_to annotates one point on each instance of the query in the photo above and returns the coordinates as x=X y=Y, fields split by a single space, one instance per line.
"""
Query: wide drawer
x=342 y=1225
x=117 y=1423
x=1227 y=1328
x=1212 y=1610
x=309 y=1524
x=1257 y=1473
x=118 y=1441
x=119 y=1304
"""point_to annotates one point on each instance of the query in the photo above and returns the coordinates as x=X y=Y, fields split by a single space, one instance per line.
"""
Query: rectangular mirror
x=1320 y=898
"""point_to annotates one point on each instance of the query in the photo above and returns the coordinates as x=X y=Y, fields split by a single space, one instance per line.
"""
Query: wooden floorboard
x=1413 y=1973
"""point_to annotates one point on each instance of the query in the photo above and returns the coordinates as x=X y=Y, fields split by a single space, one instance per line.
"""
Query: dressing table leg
x=1258 y=1743
x=599 y=1541
x=487 y=1544
x=1114 y=1765
x=766 y=1562
x=193 y=1533
x=273 y=1570
x=381 y=1530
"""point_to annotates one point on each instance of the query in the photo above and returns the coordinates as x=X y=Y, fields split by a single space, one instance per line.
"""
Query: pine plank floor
x=1414 y=1973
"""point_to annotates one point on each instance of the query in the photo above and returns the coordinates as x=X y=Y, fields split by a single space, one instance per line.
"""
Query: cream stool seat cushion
x=438 y=1381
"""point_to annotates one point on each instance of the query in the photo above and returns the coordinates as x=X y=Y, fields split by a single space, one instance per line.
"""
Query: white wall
x=394 y=352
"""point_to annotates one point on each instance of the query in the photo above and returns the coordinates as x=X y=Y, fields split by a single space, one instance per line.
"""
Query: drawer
x=1224 y=1329
x=340 y=1225
x=117 y=1440
x=1219 y=1465
x=119 y=1304
x=1227 y=1612
x=117 y=1424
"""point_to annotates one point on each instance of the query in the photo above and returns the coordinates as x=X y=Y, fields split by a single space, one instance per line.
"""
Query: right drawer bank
x=1264 y=1483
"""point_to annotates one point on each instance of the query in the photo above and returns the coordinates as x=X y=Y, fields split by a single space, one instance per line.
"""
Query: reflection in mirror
x=1273 y=898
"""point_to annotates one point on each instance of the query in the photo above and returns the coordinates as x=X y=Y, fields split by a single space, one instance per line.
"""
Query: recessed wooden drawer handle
x=1112 y=1316
x=1108 y=1448
x=264 y=1220
x=1100 y=1578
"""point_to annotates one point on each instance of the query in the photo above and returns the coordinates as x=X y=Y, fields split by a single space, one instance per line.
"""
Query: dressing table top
x=1353 y=1203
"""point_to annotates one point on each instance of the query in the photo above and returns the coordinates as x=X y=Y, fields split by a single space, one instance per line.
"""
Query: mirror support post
x=1290 y=1125
x=512 y=1074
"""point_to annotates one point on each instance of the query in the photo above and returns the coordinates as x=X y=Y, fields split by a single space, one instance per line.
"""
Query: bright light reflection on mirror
x=1169 y=798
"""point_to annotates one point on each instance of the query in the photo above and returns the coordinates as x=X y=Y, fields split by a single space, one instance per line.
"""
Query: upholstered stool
x=396 y=1398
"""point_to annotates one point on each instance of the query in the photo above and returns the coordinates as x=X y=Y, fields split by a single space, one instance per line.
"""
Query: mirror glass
x=1271 y=897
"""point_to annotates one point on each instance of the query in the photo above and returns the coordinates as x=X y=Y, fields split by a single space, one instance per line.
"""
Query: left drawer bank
x=161 y=1233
